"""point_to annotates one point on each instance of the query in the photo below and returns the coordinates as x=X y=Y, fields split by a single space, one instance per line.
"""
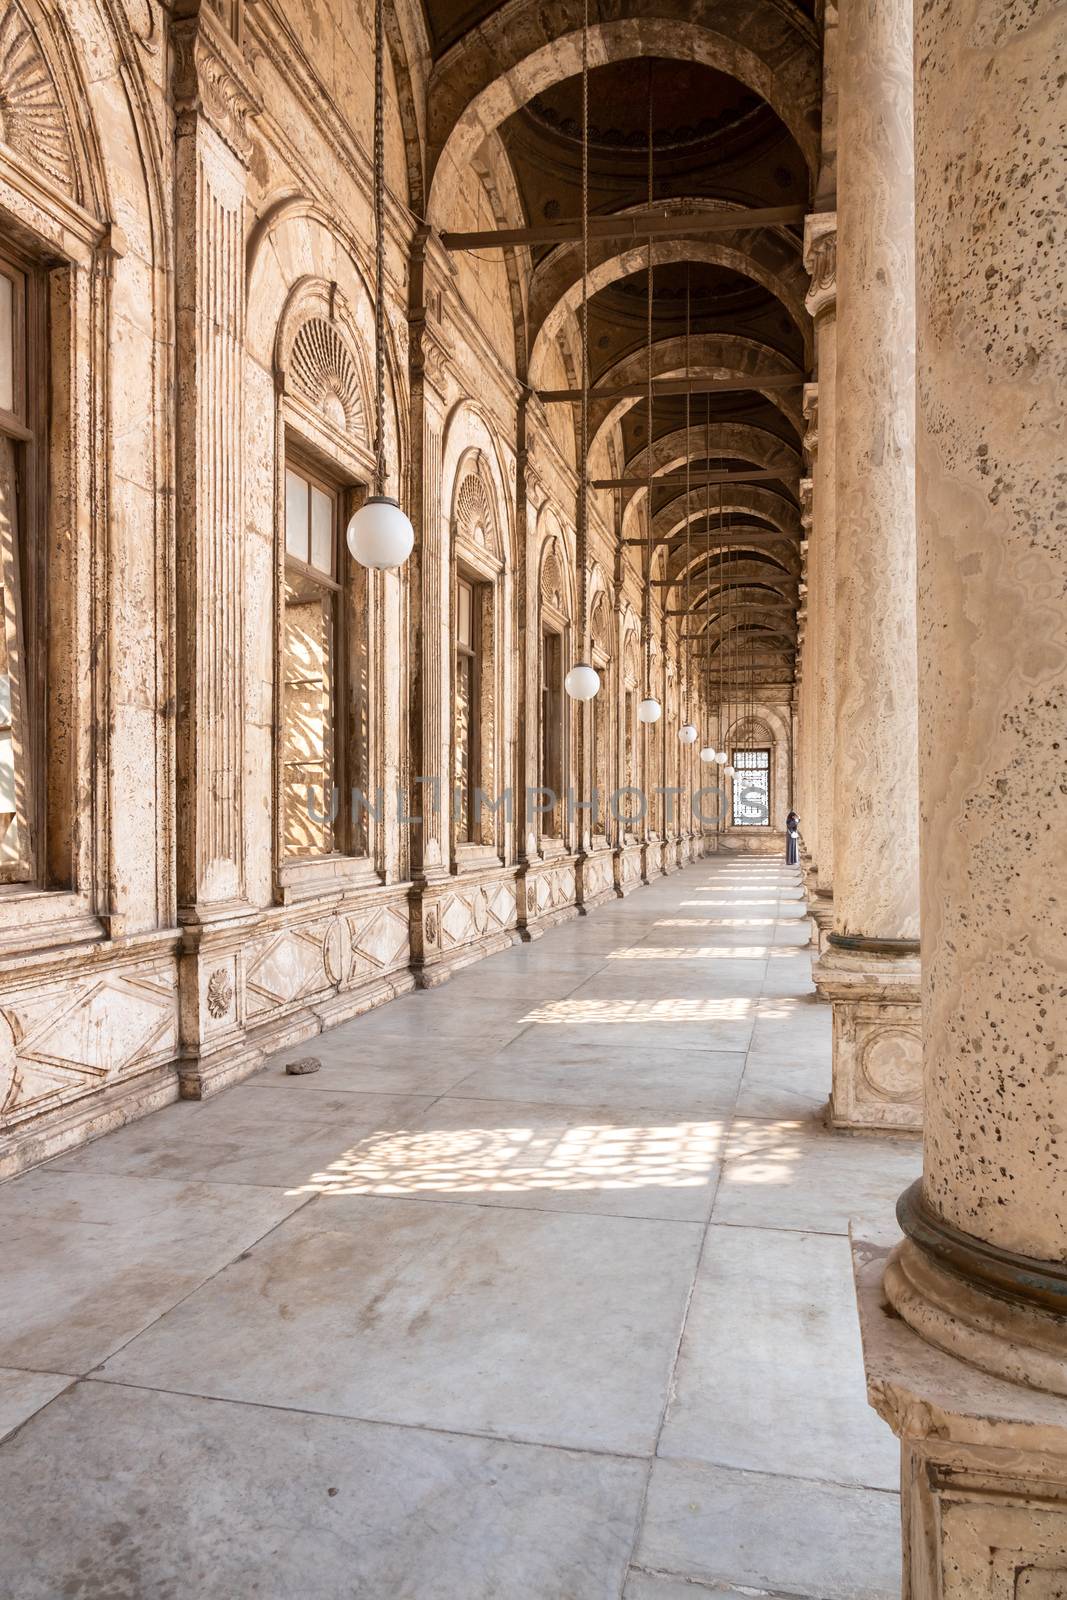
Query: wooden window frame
x=551 y=708
x=341 y=755
x=25 y=427
x=472 y=653
x=761 y=750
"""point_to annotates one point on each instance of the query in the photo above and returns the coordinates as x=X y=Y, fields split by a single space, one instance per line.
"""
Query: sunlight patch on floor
x=575 y=1012
x=480 y=1160
x=692 y=952
x=764 y=1152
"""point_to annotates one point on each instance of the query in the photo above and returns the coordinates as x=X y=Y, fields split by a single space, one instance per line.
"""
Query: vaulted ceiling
x=690 y=134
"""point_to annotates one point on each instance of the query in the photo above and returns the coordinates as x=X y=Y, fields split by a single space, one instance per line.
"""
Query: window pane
x=307 y=734
x=752 y=789
x=322 y=531
x=464 y=707
x=296 y=515
x=7 y=344
x=14 y=755
x=465 y=616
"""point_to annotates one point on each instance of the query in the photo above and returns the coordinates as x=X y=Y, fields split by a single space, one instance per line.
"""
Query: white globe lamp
x=582 y=681
x=649 y=710
x=707 y=755
x=687 y=733
x=728 y=771
x=379 y=535
x=721 y=757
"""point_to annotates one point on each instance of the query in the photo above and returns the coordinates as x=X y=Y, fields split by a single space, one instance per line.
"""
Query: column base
x=1004 y=1312
x=821 y=912
x=983 y=1462
x=877 y=1044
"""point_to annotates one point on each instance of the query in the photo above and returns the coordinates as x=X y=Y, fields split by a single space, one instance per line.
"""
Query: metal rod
x=635 y=225
x=674 y=479
x=772 y=380
x=715 y=538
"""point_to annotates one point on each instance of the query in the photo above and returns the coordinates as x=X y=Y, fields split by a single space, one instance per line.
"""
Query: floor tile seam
x=672 y=1376
x=75 y=1379
x=540 y=1211
x=104 y=1380
x=635 y=1110
x=717 y=1586
x=779 y=1227
x=669 y=1458
x=778 y=1477
x=203 y=1283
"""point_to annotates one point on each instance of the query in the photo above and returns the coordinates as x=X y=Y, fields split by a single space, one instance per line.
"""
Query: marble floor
x=538 y=1290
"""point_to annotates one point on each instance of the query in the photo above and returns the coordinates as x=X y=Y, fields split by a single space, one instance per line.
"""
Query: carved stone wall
x=202 y=202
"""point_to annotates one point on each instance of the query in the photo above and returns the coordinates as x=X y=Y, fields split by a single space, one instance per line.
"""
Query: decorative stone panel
x=72 y=1037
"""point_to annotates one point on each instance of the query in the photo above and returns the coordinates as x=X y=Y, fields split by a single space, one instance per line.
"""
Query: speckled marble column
x=870 y=969
x=993 y=658
x=971 y=1370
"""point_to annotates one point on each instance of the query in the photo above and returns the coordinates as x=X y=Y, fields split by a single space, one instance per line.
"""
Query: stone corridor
x=540 y=1288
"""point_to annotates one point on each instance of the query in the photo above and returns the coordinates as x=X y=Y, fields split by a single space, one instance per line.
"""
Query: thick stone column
x=972 y=1369
x=215 y=95
x=870 y=970
x=820 y=259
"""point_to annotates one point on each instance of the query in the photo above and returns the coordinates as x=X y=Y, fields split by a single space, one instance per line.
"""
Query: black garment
x=792 y=839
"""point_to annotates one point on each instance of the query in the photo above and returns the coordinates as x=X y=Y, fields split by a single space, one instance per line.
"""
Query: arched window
x=553 y=763
x=323 y=712
x=477 y=621
x=600 y=629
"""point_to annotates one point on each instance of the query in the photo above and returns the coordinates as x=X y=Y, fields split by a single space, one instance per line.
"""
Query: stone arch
x=492 y=165
x=83 y=153
x=475 y=522
x=764 y=505
x=521 y=50
x=320 y=363
x=765 y=727
x=768 y=256
x=401 y=20
x=297 y=254
x=42 y=96
x=553 y=587
x=470 y=441
x=742 y=440
x=556 y=556
x=670 y=452
x=601 y=626
x=711 y=355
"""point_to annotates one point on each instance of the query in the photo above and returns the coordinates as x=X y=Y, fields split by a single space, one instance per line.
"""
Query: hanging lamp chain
x=686 y=646
x=583 y=493
x=648 y=483
x=380 y=472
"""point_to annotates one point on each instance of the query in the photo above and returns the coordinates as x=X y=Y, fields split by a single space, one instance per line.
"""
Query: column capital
x=820 y=262
x=213 y=77
x=806 y=488
x=810 y=407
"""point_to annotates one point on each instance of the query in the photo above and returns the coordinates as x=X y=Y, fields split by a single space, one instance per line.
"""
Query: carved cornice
x=213 y=79
x=810 y=441
x=806 y=488
x=820 y=262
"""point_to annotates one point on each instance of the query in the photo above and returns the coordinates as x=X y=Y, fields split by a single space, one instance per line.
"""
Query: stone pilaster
x=214 y=95
x=870 y=969
x=820 y=259
x=979 y=1287
x=429 y=574
x=809 y=813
